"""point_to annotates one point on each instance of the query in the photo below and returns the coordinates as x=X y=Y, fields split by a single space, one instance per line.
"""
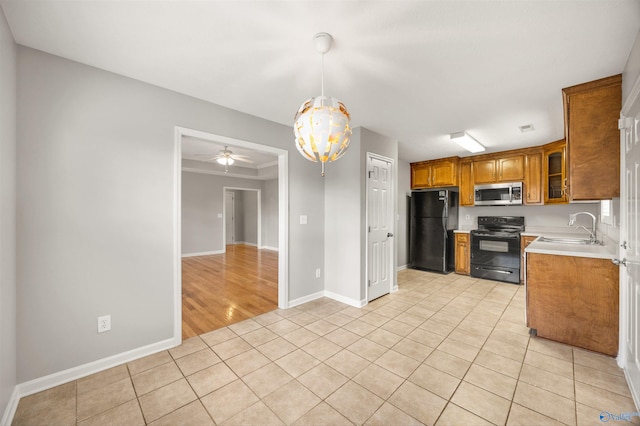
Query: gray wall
x=345 y=211
x=202 y=200
x=402 y=231
x=238 y=217
x=249 y=215
x=95 y=207
x=342 y=222
x=270 y=214
x=7 y=213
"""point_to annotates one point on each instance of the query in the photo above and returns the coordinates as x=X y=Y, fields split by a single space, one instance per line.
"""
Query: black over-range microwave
x=498 y=194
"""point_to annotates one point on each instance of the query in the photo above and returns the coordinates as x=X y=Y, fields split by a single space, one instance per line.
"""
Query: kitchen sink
x=568 y=240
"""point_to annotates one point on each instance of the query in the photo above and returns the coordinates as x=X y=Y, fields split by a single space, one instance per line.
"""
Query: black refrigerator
x=433 y=216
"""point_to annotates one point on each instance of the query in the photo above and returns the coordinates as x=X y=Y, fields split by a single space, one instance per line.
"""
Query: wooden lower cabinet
x=463 y=258
x=524 y=242
x=574 y=300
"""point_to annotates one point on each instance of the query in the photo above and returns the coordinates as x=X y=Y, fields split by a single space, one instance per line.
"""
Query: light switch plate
x=303 y=219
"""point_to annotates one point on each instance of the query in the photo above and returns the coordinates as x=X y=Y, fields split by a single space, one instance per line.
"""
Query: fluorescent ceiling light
x=467 y=142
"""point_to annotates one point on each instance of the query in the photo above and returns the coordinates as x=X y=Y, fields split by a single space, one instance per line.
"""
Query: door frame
x=625 y=314
x=283 y=216
x=224 y=214
x=393 y=205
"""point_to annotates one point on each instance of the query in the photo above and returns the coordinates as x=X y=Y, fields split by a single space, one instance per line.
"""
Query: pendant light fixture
x=322 y=125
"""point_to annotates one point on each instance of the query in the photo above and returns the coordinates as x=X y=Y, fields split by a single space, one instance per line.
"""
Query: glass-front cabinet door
x=555 y=191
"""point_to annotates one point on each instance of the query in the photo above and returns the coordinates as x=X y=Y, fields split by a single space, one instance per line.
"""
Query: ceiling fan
x=227 y=158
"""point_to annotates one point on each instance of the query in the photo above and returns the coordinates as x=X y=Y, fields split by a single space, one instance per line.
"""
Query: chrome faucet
x=592 y=232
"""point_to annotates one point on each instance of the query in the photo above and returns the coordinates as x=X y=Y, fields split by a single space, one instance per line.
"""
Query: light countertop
x=607 y=251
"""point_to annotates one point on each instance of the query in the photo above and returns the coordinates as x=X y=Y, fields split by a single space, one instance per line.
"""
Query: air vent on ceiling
x=526 y=128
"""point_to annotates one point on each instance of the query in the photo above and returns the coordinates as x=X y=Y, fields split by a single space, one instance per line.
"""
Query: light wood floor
x=222 y=289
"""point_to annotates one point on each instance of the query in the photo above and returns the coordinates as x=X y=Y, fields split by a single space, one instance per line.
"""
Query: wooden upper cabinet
x=484 y=171
x=591 y=113
x=434 y=174
x=419 y=175
x=533 y=178
x=507 y=169
x=466 y=184
x=555 y=173
x=511 y=169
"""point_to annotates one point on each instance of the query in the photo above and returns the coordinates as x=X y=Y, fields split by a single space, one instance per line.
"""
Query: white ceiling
x=412 y=70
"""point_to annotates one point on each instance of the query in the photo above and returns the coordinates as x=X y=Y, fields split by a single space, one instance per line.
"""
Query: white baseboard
x=269 y=248
x=203 y=253
x=246 y=243
x=11 y=408
x=305 y=299
x=400 y=268
x=346 y=300
x=330 y=295
x=47 y=382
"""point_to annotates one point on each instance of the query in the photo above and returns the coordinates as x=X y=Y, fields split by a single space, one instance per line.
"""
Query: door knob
x=389 y=235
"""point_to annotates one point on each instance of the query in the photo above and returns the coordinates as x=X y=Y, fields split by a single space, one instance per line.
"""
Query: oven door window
x=494 y=246
x=495 y=251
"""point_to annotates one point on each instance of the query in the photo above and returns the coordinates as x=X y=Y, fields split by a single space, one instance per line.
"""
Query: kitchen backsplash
x=549 y=216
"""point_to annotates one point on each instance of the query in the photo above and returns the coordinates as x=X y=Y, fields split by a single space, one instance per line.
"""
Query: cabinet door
x=443 y=173
x=511 y=169
x=419 y=175
x=463 y=260
x=466 y=184
x=592 y=111
x=574 y=300
x=555 y=178
x=533 y=179
x=484 y=171
x=524 y=242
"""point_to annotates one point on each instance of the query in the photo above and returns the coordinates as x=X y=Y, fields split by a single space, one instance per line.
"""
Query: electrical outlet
x=318 y=273
x=467 y=217
x=104 y=323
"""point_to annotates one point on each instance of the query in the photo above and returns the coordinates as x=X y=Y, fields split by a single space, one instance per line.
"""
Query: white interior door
x=229 y=218
x=380 y=226
x=630 y=244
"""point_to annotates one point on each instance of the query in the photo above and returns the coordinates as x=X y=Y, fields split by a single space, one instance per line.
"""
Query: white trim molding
x=346 y=300
x=203 y=253
x=56 y=379
x=283 y=214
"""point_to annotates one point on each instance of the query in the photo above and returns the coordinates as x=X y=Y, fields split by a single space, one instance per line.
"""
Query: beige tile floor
x=444 y=350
